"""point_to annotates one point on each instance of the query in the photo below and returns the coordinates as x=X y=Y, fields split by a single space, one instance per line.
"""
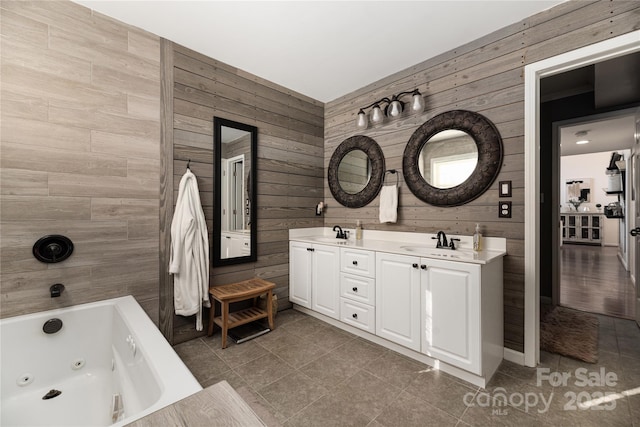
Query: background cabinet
x=314 y=277
x=398 y=299
x=581 y=227
x=234 y=244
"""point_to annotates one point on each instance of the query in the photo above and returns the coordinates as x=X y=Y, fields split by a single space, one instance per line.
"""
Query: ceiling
x=610 y=134
x=322 y=49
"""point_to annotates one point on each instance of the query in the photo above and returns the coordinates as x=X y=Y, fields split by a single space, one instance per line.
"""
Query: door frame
x=597 y=52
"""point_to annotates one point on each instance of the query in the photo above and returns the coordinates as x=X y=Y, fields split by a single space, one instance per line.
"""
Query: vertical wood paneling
x=80 y=147
x=486 y=76
x=289 y=162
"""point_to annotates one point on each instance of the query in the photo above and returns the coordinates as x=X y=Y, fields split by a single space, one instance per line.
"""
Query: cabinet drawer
x=358 y=261
x=358 y=288
x=359 y=315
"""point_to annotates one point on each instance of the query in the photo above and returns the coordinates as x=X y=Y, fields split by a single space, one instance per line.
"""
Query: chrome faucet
x=340 y=234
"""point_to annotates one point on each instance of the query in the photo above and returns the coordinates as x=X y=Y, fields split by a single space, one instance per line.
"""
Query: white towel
x=389 y=203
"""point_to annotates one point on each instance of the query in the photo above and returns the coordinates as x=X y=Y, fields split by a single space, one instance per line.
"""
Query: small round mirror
x=448 y=158
x=354 y=171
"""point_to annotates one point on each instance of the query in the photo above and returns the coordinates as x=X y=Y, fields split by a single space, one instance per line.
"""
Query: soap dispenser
x=477 y=239
x=358 y=230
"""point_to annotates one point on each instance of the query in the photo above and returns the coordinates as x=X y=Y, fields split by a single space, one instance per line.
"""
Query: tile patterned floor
x=309 y=373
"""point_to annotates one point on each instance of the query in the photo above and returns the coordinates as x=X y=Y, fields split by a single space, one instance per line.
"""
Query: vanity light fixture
x=393 y=109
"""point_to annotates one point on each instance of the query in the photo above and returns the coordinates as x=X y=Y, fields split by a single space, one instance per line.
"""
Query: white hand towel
x=389 y=203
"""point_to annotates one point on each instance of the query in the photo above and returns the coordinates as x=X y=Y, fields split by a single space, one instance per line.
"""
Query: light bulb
x=417 y=103
x=395 y=109
x=361 y=121
x=376 y=115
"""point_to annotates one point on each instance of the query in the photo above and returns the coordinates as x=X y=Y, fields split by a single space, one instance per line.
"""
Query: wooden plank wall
x=486 y=76
x=80 y=142
x=289 y=164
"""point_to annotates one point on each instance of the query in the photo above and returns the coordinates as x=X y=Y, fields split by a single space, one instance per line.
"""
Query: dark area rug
x=569 y=332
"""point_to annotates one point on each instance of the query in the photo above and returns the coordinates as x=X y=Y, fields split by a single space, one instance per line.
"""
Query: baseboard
x=514 y=356
x=623 y=261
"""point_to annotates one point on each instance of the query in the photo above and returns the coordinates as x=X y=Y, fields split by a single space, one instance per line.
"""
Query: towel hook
x=394 y=172
x=188 y=164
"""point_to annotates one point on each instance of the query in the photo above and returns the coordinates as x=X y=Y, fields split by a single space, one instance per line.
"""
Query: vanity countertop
x=406 y=243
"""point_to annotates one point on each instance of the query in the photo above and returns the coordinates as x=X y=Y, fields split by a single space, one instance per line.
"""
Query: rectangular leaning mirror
x=234 y=171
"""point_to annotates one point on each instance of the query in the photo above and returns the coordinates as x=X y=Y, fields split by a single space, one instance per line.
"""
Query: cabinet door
x=451 y=313
x=300 y=273
x=398 y=299
x=325 y=280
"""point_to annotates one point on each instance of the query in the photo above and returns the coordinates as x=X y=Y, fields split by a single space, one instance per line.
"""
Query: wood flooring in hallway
x=594 y=280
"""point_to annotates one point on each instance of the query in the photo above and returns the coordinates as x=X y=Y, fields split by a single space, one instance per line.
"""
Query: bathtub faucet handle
x=56 y=290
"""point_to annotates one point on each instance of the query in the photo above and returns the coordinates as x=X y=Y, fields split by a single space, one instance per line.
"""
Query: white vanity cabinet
x=448 y=310
x=314 y=277
x=357 y=288
x=398 y=299
x=438 y=306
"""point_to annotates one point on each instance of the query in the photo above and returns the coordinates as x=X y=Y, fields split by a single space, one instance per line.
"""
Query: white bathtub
x=106 y=351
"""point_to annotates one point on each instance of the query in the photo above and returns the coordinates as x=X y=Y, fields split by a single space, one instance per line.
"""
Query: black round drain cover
x=53 y=248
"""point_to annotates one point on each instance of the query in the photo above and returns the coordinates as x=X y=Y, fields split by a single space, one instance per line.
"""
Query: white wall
x=592 y=166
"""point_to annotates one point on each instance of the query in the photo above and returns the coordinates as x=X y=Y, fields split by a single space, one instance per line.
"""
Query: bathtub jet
x=51 y=394
x=52 y=326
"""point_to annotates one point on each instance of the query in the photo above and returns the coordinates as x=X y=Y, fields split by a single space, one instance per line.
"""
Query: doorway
x=595 y=261
x=611 y=48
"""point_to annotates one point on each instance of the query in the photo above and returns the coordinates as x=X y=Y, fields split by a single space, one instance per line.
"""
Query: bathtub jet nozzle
x=51 y=394
x=52 y=326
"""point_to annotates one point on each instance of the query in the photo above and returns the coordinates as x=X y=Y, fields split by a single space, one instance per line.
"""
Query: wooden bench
x=240 y=291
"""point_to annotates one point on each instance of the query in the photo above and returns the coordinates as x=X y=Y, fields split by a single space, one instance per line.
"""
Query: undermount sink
x=325 y=239
x=420 y=249
x=439 y=253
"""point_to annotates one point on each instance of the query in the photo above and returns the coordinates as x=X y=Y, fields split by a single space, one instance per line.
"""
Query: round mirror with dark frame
x=356 y=170
x=452 y=158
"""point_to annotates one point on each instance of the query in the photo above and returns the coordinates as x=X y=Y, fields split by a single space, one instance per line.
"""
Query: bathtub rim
x=174 y=378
